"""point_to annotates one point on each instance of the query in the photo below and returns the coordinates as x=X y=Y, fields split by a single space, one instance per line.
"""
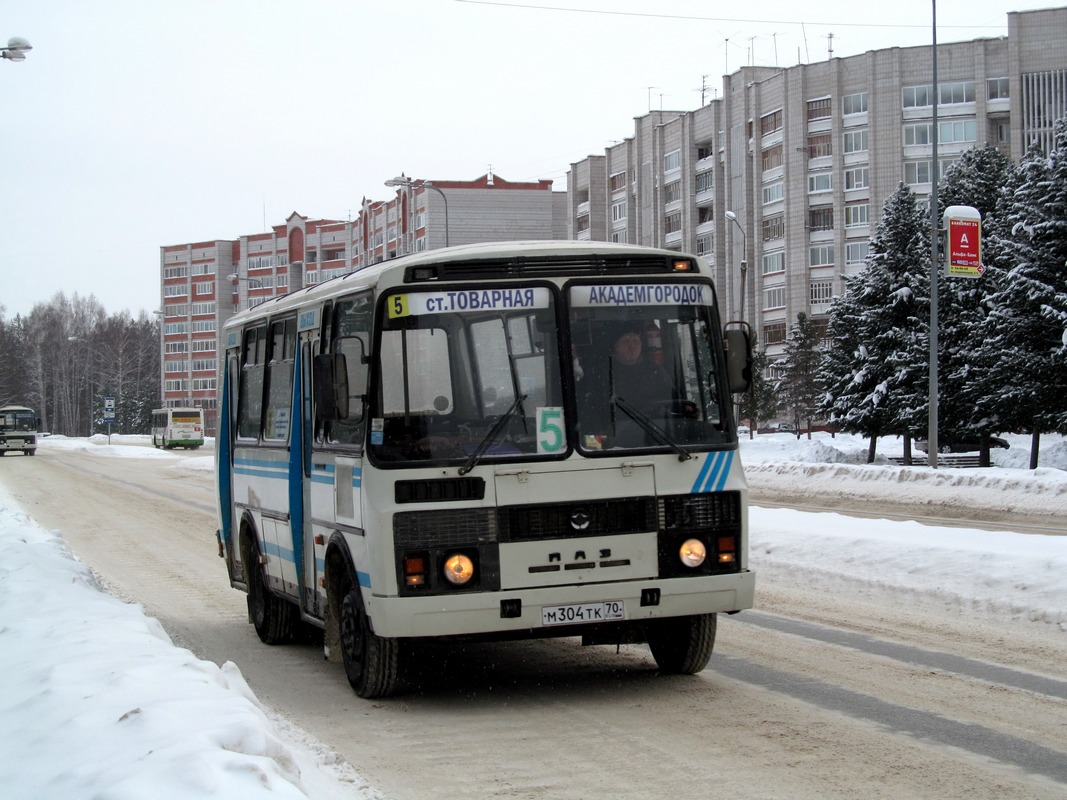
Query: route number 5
x=550 y=437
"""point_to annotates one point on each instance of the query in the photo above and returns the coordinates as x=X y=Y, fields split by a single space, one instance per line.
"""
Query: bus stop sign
x=109 y=409
x=964 y=225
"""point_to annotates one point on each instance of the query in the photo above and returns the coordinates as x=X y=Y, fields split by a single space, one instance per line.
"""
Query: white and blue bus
x=453 y=444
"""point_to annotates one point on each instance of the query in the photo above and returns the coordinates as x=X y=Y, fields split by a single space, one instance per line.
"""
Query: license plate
x=583 y=612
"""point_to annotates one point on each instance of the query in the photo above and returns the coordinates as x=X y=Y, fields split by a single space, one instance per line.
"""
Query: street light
x=412 y=183
x=730 y=215
x=16 y=49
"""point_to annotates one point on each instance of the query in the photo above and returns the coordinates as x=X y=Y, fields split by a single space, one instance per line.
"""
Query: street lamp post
x=730 y=215
x=412 y=183
x=16 y=49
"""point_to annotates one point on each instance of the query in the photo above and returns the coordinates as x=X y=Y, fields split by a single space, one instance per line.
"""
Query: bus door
x=340 y=380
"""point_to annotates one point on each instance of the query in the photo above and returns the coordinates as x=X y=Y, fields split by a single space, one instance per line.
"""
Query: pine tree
x=981 y=178
x=1027 y=326
x=876 y=369
x=760 y=403
x=799 y=385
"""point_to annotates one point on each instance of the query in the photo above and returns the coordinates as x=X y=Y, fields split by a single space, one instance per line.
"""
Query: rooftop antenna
x=830 y=45
x=650 y=88
x=804 y=32
x=489 y=180
x=752 y=51
x=774 y=36
x=703 y=89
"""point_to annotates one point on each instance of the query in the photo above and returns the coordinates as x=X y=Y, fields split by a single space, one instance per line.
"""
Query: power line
x=836 y=23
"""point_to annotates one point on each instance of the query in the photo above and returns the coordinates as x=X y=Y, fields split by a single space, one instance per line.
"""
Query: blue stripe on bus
x=363 y=578
x=321 y=477
x=713 y=474
x=264 y=463
x=357 y=478
x=272 y=549
x=259 y=473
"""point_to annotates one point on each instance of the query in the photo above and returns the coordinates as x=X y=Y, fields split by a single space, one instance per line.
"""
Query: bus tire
x=371 y=662
x=682 y=645
x=272 y=617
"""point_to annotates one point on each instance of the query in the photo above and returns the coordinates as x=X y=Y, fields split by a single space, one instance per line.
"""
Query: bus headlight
x=692 y=552
x=458 y=569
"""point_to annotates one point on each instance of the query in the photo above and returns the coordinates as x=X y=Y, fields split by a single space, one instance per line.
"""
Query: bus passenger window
x=279 y=378
x=250 y=389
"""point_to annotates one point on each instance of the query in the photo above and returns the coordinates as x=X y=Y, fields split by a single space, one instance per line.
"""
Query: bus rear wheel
x=371 y=662
x=272 y=617
x=682 y=645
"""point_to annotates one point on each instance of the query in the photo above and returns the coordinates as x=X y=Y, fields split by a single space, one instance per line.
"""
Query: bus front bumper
x=536 y=612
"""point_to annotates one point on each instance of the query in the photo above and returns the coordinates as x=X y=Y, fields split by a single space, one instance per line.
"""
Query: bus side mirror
x=737 y=346
x=331 y=386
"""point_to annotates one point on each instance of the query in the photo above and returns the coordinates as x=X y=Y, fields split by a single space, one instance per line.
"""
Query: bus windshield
x=644 y=368
x=22 y=420
x=468 y=373
x=473 y=375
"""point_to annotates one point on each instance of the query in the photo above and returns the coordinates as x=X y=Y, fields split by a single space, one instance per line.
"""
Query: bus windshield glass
x=645 y=371
x=468 y=375
x=23 y=420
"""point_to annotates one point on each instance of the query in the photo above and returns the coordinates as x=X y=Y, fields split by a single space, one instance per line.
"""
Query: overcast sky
x=139 y=123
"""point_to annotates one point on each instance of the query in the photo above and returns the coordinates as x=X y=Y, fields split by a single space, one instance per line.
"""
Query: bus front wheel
x=272 y=617
x=371 y=662
x=682 y=645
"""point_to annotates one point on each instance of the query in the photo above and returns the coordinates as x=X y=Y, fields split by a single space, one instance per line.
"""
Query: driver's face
x=628 y=348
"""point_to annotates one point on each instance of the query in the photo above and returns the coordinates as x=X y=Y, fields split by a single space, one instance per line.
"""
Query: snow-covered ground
x=99 y=703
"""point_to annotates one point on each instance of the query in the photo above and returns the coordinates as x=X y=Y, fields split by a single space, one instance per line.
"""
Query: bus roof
x=482 y=251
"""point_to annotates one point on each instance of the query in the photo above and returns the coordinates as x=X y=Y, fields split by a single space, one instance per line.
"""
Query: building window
x=672 y=161
x=202 y=326
x=774 y=227
x=822 y=292
x=175 y=327
x=769 y=123
x=856 y=141
x=821 y=255
x=176 y=347
x=705 y=214
x=618 y=211
x=705 y=244
x=175 y=386
x=773 y=192
x=774 y=262
x=203 y=308
x=705 y=182
x=857 y=214
x=819 y=109
x=958 y=92
x=582 y=224
x=772 y=157
x=820 y=182
x=619 y=237
x=854 y=103
x=672 y=223
x=774 y=297
x=918 y=96
x=821 y=219
x=857 y=178
x=205 y=364
x=1002 y=132
x=960 y=130
x=820 y=145
x=204 y=288
x=917 y=133
x=203 y=345
x=672 y=192
x=774 y=333
x=174 y=291
x=997 y=88
x=175 y=366
x=176 y=272
x=617 y=181
x=856 y=253
x=202 y=384
x=916 y=172
x=705 y=151
x=203 y=269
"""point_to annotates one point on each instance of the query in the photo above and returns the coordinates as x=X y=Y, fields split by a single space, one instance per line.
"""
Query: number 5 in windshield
x=550 y=438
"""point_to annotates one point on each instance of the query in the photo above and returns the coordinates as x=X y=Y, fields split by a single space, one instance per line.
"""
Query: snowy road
x=827 y=691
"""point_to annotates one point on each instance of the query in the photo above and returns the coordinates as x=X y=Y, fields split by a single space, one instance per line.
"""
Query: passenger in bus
x=638 y=380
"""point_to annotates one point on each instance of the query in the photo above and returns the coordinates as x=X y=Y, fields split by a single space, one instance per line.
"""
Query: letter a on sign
x=964 y=256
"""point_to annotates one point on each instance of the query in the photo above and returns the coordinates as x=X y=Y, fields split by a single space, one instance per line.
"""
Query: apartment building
x=203 y=284
x=780 y=181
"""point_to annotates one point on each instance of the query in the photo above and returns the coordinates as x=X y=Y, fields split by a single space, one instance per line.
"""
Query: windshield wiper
x=650 y=427
x=491 y=436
